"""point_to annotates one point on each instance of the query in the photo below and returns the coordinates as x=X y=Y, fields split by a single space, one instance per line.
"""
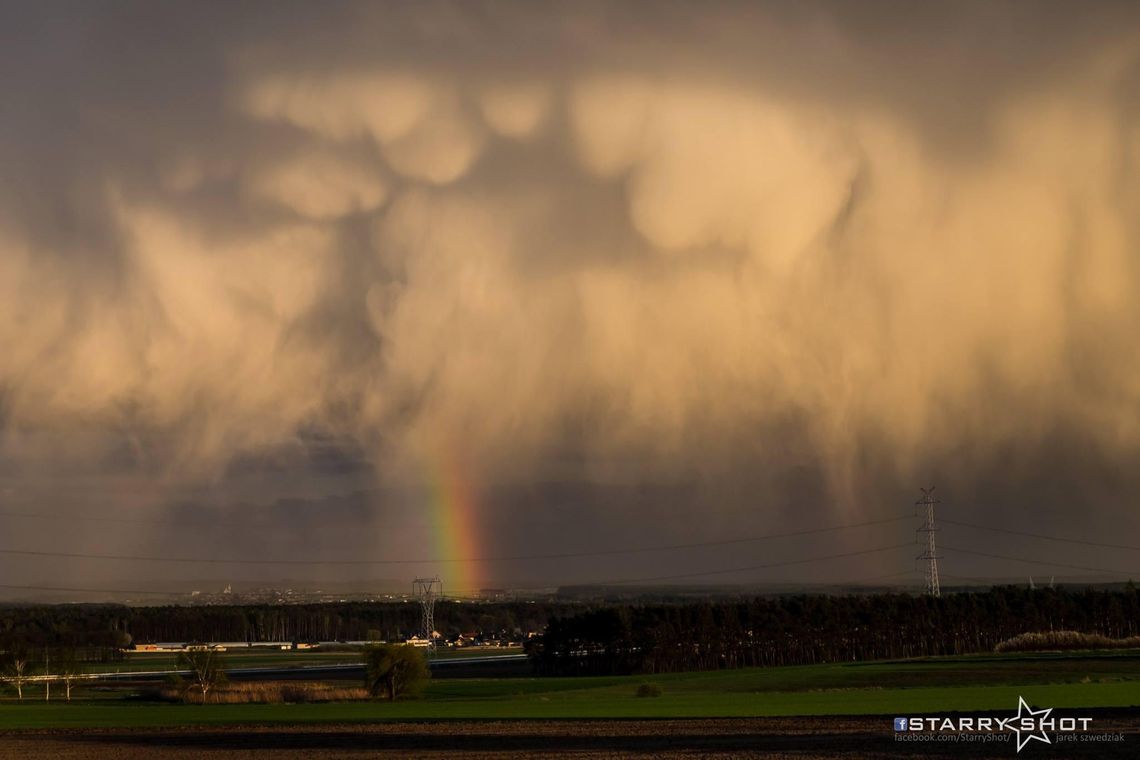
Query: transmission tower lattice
x=931 y=553
x=428 y=590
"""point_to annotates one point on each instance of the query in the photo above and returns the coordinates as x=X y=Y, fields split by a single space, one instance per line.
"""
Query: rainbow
x=455 y=525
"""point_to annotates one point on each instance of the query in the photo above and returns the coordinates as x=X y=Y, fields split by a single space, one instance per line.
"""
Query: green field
x=880 y=688
x=269 y=658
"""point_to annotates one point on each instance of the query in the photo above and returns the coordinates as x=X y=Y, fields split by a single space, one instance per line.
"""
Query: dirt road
x=801 y=738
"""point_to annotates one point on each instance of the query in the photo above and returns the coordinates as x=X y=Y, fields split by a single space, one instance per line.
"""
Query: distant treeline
x=92 y=634
x=796 y=630
x=623 y=638
x=118 y=625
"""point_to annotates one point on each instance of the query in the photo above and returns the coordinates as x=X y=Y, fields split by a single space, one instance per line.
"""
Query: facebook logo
x=900 y=724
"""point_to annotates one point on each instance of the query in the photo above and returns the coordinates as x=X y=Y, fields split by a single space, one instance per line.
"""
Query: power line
x=1009 y=531
x=1041 y=562
x=208 y=523
x=127 y=520
x=986 y=580
x=680 y=576
x=600 y=583
x=449 y=560
x=869 y=579
x=845 y=582
x=91 y=590
x=255 y=524
x=750 y=568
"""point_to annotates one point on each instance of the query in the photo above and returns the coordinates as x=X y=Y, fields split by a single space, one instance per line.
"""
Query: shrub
x=650 y=690
x=1056 y=640
x=264 y=693
x=395 y=670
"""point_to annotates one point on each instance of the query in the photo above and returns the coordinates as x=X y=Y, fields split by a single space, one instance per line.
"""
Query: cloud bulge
x=574 y=240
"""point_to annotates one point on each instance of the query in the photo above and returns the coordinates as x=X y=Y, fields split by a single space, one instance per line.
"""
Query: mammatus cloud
x=320 y=186
x=515 y=109
x=383 y=106
x=683 y=252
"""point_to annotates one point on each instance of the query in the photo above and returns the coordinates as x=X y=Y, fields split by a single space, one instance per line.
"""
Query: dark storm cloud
x=765 y=254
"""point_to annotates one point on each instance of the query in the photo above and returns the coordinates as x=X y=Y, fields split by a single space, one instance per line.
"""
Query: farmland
x=270 y=658
x=969 y=683
x=815 y=676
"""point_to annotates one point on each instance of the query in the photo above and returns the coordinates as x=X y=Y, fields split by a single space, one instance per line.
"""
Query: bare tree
x=17 y=663
x=207 y=669
x=69 y=668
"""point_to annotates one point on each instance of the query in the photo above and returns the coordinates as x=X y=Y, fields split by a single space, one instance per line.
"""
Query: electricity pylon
x=428 y=590
x=931 y=553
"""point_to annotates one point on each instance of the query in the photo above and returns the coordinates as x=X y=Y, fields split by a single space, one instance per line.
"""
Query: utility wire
x=602 y=583
x=1082 y=542
x=750 y=568
x=92 y=590
x=127 y=520
x=256 y=524
x=985 y=580
x=882 y=577
x=451 y=560
x=1041 y=562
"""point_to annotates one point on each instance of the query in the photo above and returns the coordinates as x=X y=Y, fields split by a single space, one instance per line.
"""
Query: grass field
x=906 y=687
x=268 y=658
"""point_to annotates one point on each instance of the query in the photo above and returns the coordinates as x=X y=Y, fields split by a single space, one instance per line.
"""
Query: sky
x=425 y=283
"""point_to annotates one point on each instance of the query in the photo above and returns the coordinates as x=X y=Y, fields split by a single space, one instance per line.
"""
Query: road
x=487 y=666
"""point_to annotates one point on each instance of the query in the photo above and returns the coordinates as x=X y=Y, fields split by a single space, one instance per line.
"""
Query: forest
x=119 y=625
x=796 y=630
x=579 y=638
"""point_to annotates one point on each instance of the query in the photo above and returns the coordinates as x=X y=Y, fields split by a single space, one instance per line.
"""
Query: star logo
x=1029 y=722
